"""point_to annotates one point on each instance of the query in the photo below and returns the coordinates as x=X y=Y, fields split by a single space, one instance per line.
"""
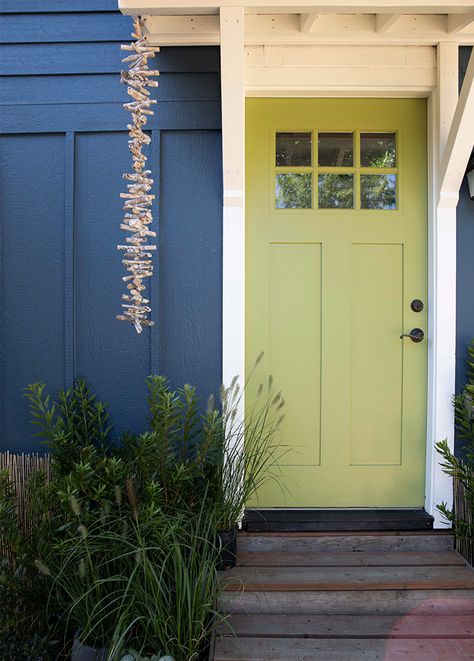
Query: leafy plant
x=462 y=468
x=72 y=423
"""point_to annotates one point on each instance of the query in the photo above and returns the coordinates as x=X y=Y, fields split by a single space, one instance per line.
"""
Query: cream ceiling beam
x=459 y=143
x=307 y=22
x=285 y=29
x=182 y=30
x=175 y=7
x=384 y=22
x=457 y=22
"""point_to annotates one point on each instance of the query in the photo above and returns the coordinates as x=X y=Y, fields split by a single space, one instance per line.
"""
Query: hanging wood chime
x=138 y=200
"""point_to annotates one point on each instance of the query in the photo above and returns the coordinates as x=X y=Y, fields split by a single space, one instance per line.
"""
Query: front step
x=300 y=649
x=330 y=520
x=452 y=625
x=347 y=596
x=332 y=542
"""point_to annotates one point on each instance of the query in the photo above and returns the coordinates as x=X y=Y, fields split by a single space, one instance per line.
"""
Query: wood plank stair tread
x=349 y=649
x=348 y=578
x=412 y=625
x=348 y=558
x=331 y=542
x=348 y=602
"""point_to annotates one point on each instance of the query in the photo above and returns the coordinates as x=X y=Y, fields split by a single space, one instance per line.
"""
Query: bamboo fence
x=20 y=468
x=463 y=510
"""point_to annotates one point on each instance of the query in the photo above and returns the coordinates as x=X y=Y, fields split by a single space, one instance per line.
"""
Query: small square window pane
x=336 y=191
x=293 y=191
x=335 y=149
x=293 y=149
x=378 y=191
x=378 y=150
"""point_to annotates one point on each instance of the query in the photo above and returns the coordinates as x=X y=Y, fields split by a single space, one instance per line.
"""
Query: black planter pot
x=227 y=540
x=81 y=652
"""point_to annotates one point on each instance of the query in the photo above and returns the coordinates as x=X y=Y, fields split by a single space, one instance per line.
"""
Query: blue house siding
x=63 y=148
x=465 y=265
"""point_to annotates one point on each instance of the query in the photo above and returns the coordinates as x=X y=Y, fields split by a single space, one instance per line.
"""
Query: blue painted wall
x=63 y=148
x=465 y=264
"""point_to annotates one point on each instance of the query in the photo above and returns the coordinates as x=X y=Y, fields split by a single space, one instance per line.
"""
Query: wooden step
x=349 y=649
x=265 y=579
x=348 y=558
x=349 y=626
x=327 y=520
x=342 y=596
x=349 y=602
x=331 y=542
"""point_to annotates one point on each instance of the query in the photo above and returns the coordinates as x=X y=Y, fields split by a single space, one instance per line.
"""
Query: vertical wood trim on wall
x=69 y=293
x=154 y=282
x=233 y=155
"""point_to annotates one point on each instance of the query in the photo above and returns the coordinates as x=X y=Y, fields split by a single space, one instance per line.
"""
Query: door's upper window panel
x=335 y=149
x=293 y=191
x=293 y=149
x=378 y=150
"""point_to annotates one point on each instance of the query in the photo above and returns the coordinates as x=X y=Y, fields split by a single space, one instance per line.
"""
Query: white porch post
x=442 y=316
x=456 y=137
x=442 y=291
x=233 y=154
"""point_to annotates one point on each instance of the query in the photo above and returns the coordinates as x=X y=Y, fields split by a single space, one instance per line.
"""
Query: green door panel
x=328 y=293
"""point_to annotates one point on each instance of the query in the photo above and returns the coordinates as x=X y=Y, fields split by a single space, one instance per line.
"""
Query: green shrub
x=123 y=546
x=462 y=468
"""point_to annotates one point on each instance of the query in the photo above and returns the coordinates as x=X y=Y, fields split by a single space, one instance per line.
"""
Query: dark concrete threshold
x=334 y=520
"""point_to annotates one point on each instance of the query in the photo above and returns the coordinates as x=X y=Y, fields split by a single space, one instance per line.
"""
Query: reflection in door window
x=377 y=150
x=293 y=191
x=335 y=149
x=378 y=191
x=293 y=149
x=336 y=191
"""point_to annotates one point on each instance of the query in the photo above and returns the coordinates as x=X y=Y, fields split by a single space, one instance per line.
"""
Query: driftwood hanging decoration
x=138 y=200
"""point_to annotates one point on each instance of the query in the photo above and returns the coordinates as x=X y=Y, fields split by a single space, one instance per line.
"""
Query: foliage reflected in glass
x=378 y=191
x=378 y=150
x=336 y=191
x=335 y=149
x=293 y=191
x=293 y=149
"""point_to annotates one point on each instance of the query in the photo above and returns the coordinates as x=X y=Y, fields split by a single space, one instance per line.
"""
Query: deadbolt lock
x=417 y=305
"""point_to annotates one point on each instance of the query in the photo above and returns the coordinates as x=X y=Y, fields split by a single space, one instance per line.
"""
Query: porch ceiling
x=183 y=22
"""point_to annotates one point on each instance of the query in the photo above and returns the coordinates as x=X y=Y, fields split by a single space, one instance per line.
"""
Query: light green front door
x=336 y=252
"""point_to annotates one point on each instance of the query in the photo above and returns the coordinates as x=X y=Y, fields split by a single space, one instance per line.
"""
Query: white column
x=442 y=296
x=233 y=155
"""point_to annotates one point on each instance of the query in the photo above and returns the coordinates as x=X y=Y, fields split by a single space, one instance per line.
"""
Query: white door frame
x=441 y=334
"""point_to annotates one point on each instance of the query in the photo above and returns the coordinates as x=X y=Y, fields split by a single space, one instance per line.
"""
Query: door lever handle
x=415 y=335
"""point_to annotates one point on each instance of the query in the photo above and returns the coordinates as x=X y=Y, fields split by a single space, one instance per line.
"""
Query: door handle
x=415 y=335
